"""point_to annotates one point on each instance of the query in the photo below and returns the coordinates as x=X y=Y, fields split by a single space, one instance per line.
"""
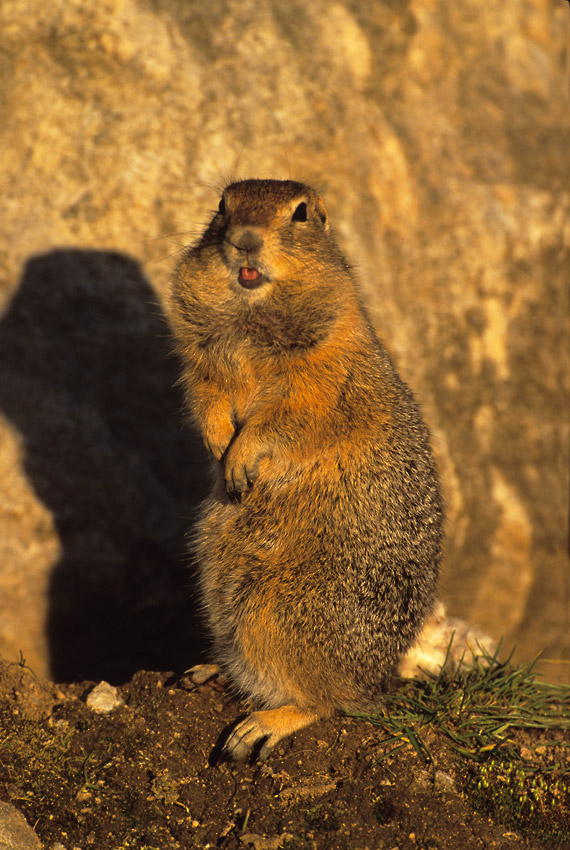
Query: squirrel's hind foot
x=203 y=674
x=262 y=730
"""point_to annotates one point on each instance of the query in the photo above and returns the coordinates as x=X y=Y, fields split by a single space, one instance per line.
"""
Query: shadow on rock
x=88 y=378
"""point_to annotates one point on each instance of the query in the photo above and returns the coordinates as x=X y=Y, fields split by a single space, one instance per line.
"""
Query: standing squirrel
x=318 y=549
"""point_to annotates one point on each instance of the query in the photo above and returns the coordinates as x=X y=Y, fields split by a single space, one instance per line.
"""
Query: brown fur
x=319 y=548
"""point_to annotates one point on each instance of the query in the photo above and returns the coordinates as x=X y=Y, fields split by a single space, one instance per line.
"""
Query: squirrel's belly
x=298 y=600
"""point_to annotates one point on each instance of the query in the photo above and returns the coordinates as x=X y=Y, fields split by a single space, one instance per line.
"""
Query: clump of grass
x=474 y=706
x=477 y=709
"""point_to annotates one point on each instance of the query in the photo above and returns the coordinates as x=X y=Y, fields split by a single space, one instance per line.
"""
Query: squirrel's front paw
x=243 y=465
x=240 y=475
x=217 y=435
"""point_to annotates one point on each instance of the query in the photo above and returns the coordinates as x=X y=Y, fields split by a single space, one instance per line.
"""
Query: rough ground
x=139 y=777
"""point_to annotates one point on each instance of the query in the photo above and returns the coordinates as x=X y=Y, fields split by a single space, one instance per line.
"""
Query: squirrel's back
x=319 y=547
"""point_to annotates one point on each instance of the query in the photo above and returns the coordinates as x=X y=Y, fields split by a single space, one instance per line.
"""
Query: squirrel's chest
x=247 y=377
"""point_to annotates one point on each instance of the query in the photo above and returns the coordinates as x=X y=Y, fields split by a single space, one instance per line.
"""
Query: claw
x=199 y=674
x=258 y=734
x=244 y=738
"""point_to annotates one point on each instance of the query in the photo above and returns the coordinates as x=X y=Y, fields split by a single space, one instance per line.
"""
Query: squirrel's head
x=266 y=232
x=267 y=267
x=266 y=225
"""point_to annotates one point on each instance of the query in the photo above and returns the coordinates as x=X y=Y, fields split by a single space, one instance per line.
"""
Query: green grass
x=484 y=711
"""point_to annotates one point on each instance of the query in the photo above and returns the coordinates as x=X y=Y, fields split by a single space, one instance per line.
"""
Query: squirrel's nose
x=245 y=239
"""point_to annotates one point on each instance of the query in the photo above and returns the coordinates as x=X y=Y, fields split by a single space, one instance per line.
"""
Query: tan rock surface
x=15 y=833
x=438 y=136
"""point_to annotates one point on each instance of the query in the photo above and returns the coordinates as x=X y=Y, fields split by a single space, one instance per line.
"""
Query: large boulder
x=436 y=135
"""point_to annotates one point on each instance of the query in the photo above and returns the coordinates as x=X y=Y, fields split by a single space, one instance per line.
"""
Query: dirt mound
x=140 y=776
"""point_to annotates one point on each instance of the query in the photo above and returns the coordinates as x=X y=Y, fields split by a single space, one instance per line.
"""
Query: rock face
x=436 y=135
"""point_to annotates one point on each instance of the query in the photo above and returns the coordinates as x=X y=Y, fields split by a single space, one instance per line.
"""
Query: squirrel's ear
x=322 y=212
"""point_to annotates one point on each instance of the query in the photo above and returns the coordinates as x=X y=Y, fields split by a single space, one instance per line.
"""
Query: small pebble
x=443 y=781
x=104 y=698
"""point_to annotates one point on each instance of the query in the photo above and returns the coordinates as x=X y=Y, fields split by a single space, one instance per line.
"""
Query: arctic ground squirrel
x=319 y=546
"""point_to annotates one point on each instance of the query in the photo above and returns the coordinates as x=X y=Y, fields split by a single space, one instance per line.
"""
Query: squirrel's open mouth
x=250 y=278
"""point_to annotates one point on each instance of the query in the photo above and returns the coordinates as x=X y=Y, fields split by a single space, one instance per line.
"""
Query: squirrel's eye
x=222 y=206
x=300 y=213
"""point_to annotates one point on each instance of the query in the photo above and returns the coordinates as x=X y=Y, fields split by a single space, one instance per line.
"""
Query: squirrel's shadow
x=88 y=378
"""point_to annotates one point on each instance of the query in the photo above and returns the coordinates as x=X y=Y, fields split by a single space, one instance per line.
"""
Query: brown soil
x=139 y=777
